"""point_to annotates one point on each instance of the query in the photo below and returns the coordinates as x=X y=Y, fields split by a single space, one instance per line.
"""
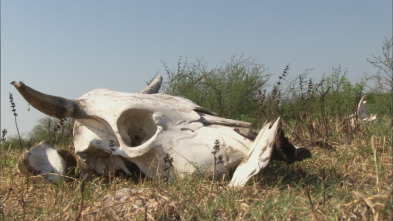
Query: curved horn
x=54 y=106
x=153 y=87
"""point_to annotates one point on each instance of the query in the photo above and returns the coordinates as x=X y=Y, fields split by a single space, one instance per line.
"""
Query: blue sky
x=68 y=48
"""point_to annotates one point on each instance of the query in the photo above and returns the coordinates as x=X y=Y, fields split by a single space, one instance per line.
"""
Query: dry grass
x=349 y=182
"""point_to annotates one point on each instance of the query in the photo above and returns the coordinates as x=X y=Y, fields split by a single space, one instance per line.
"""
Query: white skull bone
x=113 y=129
x=143 y=127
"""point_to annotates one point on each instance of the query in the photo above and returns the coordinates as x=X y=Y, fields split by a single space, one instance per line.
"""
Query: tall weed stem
x=16 y=122
x=376 y=163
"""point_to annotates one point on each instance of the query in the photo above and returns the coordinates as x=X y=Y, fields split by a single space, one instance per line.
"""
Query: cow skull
x=113 y=129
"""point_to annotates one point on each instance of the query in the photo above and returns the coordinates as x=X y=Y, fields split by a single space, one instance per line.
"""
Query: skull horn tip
x=16 y=84
x=48 y=104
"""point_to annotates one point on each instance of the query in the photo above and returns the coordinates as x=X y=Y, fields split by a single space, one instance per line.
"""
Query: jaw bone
x=258 y=156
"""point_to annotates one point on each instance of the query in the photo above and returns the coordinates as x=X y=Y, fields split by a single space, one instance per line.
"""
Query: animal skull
x=113 y=129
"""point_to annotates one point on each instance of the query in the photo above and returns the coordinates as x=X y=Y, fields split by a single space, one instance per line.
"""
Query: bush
x=58 y=132
x=229 y=90
x=312 y=110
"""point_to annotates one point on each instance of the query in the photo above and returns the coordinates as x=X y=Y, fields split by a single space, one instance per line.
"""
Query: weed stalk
x=376 y=163
x=307 y=192
x=168 y=160
x=16 y=122
x=111 y=173
x=216 y=148
x=3 y=138
x=82 y=190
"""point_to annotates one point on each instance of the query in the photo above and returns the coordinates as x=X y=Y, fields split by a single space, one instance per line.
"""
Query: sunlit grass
x=349 y=176
x=350 y=181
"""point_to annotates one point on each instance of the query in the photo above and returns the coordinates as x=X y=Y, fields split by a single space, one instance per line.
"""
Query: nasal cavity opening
x=136 y=127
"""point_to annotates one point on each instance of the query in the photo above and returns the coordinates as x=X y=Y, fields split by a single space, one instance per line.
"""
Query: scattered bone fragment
x=44 y=161
x=361 y=115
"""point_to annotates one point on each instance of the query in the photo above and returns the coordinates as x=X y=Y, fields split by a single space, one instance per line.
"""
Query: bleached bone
x=361 y=115
x=45 y=161
x=362 y=108
x=115 y=130
x=257 y=157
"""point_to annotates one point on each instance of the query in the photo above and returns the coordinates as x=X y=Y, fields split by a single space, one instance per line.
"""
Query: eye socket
x=136 y=126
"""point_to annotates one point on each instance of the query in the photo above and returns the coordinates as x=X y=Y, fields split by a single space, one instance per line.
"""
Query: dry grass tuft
x=351 y=181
